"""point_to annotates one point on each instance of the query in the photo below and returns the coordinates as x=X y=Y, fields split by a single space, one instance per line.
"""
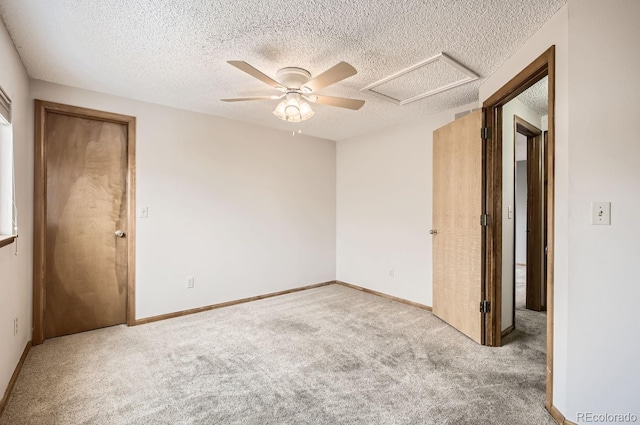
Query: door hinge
x=484 y=220
x=485 y=133
x=485 y=306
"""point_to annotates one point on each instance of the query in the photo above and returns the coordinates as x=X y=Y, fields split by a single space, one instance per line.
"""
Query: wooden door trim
x=542 y=66
x=39 y=213
x=525 y=128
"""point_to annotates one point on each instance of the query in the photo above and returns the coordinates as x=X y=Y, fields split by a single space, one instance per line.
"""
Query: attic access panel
x=429 y=77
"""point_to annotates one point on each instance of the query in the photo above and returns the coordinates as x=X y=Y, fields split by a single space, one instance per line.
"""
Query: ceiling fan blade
x=243 y=66
x=337 y=101
x=330 y=76
x=244 y=99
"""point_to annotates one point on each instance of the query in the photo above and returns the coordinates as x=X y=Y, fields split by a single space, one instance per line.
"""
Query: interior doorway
x=499 y=266
x=530 y=145
x=528 y=220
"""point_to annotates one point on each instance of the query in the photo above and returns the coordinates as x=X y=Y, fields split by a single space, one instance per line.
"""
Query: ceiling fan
x=297 y=87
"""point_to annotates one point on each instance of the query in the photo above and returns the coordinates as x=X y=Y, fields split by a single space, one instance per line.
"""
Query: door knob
x=433 y=231
x=120 y=233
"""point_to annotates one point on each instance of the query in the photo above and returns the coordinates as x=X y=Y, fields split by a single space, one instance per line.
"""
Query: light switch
x=144 y=212
x=510 y=212
x=601 y=213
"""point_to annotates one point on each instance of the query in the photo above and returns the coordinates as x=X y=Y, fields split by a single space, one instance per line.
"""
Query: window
x=8 y=216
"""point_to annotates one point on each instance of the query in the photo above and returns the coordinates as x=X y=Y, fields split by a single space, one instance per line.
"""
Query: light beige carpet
x=330 y=355
x=521 y=288
x=531 y=323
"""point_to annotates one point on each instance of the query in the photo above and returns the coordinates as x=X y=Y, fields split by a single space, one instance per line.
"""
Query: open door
x=457 y=228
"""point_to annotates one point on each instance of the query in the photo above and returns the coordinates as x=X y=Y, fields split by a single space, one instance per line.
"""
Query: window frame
x=5 y=120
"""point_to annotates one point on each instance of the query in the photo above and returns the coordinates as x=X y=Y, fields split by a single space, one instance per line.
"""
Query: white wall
x=514 y=108
x=603 y=371
x=15 y=270
x=554 y=32
x=384 y=192
x=521 y=211
x=246 y=210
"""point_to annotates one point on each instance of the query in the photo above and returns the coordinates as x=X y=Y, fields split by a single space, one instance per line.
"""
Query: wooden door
x=86 y=202
x=535 y=224
x=457 y=238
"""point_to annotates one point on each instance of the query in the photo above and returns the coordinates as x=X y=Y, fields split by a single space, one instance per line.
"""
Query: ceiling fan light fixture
x=305 y=111
x=279 y=111
x=293 y=109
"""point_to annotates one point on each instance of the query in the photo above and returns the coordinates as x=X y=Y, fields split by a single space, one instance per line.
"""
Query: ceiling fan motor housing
x=293 y=78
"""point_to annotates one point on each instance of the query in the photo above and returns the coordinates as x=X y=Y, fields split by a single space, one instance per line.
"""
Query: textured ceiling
x=175 y=52
x=535 y=97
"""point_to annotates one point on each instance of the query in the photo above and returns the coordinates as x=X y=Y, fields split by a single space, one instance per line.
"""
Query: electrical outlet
x=15 y=326
x=190 y=282
x=392 y=273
